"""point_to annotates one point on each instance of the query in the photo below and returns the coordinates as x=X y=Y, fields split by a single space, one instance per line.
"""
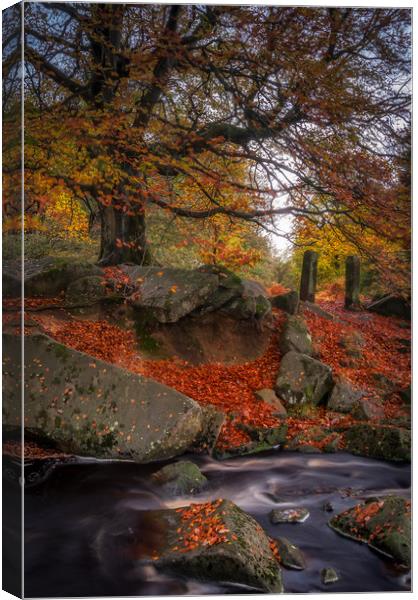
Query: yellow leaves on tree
x=65 y=216
x=226 y=243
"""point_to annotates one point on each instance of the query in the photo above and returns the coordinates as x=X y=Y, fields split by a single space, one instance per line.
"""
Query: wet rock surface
x=289 y=515
x=384 y=523
x=108 y=529
x=329 y=575
x=230 y=546
x=180 y=478
x=289 y=555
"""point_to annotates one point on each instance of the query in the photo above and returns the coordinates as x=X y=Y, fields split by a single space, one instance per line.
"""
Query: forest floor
x=230 y=388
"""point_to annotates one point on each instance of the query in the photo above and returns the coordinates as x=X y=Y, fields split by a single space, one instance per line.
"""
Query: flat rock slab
x=173 y=293
x=169 y=294
x=216 y=541
x=383 y=523
x=317 y=310
x=90 y=407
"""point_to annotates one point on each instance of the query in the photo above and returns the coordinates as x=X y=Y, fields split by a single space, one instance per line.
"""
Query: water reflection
x=87 y=529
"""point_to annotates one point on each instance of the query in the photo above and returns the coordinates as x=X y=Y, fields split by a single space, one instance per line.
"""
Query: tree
x=310 y=99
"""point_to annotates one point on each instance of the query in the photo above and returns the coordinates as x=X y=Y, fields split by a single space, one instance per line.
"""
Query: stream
x=86 y=523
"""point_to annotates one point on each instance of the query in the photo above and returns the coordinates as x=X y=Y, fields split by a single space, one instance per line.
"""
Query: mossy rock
x=244 y=557
x=273 y=436
x=302 y=379
x=405 y=394
x=85 y=291
x=383 y=523
x=227 y=279
x=388 y=443
x=289 y=302
x=289 y=515
x=263 y=439
x=314 y=441
x=49 y=277
x=180 y=478
x=93 y=408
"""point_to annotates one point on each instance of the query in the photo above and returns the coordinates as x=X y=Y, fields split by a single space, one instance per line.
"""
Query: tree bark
x=123 y=238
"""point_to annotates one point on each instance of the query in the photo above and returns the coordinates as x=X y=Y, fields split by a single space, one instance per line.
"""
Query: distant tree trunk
x=123 y=238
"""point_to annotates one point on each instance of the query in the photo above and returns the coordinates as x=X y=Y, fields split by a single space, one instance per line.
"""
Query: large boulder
x=217 y=541
x=392 y=306
x=289 y=302
x=382 y=523
x=389 y=443
x=230 y=287
x=295 y=337
x=46 y=276
x=303 y=379
x=170 y=294
x=90 y=407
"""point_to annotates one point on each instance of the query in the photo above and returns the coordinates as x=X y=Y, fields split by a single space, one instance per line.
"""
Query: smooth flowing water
x=86 y=524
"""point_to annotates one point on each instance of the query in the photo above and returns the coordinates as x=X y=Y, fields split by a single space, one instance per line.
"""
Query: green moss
x=145 y=340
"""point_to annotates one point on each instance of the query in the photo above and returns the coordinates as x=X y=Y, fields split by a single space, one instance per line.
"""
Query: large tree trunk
x=123 y=238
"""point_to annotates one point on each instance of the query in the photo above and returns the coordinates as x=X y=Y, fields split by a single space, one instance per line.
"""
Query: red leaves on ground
x=379 y=352
x=33 y=303
x=230 y=388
